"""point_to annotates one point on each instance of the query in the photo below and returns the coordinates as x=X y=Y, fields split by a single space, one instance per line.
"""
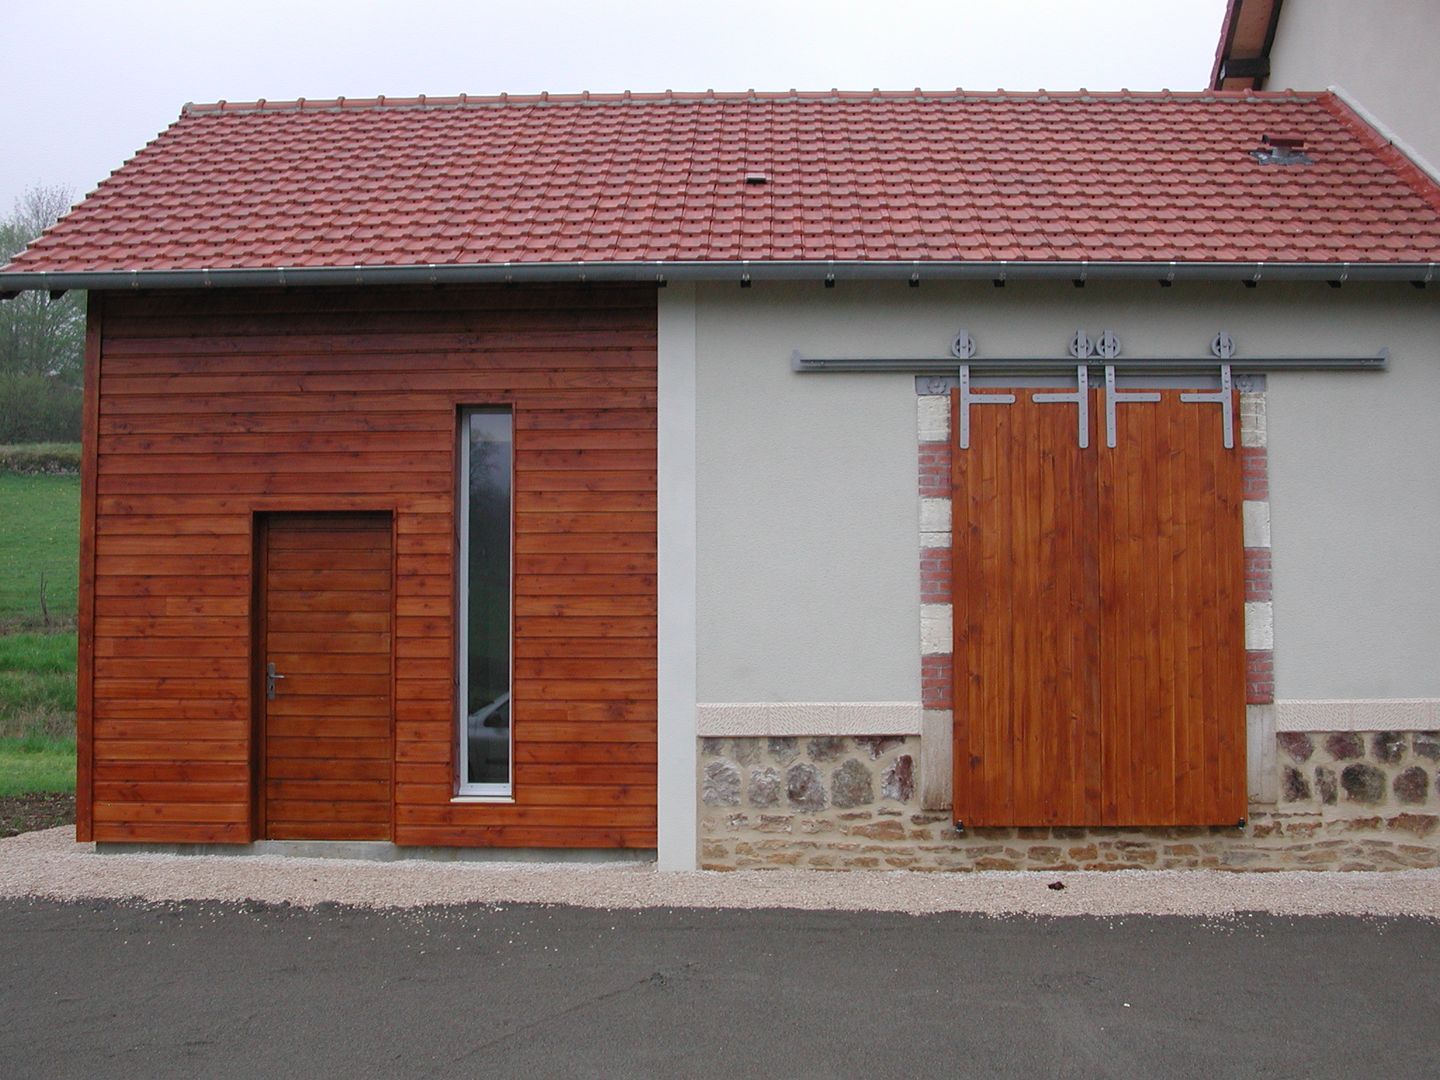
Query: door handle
x=270 y=677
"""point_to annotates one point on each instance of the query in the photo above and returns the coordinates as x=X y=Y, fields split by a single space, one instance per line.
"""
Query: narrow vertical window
x=487 y=451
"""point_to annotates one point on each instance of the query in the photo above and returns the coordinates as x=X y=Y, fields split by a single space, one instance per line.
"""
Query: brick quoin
x=1257 y=573
x=935 y=470
x=1259 y=663
x=1259 y=677
x=1254 y=472
x=937 y=678
x=937 y=672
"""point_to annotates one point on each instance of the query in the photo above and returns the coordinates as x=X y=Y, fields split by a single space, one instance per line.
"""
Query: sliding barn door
x=1099 y=617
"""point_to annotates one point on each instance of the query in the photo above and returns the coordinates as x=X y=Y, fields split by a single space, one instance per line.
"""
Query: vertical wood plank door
x=326 y=627
x=1099 y=618
x=1172 y=624
x=1026 y=617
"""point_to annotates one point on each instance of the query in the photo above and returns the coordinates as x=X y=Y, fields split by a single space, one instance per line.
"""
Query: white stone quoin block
x=1259 y=625
x=936 y=634
x=1257 y=523
x=936 y=755
x=935 y=540
x=934 y=515
x=1252 y=419
x=933 y=416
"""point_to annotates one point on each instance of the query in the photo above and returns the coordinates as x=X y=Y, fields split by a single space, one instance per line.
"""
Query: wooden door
x=326 y=614
x=1099 y=618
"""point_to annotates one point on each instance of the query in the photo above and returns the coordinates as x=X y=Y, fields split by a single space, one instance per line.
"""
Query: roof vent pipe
x=1281 y=150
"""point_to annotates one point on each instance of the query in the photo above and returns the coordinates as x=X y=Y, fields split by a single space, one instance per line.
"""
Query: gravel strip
x=50 y=864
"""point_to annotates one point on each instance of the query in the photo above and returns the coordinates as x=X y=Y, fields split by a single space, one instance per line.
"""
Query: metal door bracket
x=1115 y=397
x=968 y=398
x=1080 y=396
x=1224 y=397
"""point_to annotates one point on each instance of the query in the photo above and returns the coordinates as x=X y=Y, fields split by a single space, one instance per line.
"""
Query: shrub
x=36 y=409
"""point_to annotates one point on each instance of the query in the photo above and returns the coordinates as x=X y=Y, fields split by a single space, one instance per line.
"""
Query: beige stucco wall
x=1380 y=52
x=807 y=512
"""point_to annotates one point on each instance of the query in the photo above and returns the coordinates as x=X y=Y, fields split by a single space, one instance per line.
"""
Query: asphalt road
x=101 y=990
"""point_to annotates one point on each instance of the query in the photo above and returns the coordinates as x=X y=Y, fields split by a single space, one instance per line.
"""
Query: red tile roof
x=863 y=176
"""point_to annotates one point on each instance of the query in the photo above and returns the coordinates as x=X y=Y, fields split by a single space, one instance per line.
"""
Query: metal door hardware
x=270 y=676
x=1115 y=397
x=1224 y=397
x=1080 y=396
x=968 y=398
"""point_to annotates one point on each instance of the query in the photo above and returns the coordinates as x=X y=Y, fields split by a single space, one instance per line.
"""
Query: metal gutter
x=741 y=271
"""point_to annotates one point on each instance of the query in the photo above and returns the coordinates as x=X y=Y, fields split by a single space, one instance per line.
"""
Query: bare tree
x=39 y=336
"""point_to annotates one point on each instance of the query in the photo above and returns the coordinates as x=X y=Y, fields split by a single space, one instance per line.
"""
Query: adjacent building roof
x=1242 y=59
x=686 y=184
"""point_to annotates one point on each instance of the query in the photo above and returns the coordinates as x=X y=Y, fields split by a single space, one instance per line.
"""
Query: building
x=872 y=479
x=1371 y=55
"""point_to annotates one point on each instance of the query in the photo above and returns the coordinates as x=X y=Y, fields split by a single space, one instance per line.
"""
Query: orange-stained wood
x=209 y=411
x=331 y=706
x=1099 y=618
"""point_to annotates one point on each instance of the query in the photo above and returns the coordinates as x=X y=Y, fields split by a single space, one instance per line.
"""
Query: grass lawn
x=37 y=713
x=39 y=533
x=36 y=764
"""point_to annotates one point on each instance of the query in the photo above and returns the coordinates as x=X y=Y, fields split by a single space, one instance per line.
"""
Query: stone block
x=1421 y=825
x=774 y=823
x=825 y=748
x=877 y=746
x=1326 y=786
x=1412 y=785
x=721 y=786
x=1293 y=785
x=712 y=747
x=1345 y=746
x=1297 y=745
x=1427 y=744
x=804 y=787
x=1363 y=783
x=765 y=787
x=852 y=785
x=745 y=751
x=783 y=750
x=879 y=830
x=898 y=781
x=1387 y=747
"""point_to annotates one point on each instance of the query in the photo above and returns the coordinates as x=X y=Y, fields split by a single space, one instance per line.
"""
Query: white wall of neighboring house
x=807 y=505
x=1381 y=53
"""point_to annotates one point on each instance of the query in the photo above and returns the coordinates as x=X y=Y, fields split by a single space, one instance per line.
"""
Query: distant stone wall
x=1348 y=801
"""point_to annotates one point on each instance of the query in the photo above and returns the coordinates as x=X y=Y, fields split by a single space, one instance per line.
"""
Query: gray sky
x=89 y=82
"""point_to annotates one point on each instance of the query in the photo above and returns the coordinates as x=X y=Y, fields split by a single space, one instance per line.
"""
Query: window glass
x=486 y=498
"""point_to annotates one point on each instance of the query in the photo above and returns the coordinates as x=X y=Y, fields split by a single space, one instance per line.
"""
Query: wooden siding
x=1099 y=618
x=216 y=406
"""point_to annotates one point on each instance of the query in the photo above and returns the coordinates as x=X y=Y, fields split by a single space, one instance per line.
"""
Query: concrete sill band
x=383 y=851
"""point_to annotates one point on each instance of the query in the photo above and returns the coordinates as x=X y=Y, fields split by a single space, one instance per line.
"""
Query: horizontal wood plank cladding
x=210 y=409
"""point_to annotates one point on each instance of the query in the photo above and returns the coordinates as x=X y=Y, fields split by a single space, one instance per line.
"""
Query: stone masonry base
x=1348 y=801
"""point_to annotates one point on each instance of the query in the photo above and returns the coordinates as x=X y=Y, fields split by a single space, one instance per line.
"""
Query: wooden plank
x=86 y=635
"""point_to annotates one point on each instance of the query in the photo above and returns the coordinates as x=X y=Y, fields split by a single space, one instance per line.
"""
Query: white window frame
x=466 y=792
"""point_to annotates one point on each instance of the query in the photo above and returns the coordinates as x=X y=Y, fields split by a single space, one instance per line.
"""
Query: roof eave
x=655 y=272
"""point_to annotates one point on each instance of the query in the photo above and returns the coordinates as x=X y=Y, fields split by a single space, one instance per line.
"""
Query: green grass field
x=39 y=533
x=36 y=764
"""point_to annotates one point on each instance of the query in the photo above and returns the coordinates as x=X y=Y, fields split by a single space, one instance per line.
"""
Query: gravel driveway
x=50 y=864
